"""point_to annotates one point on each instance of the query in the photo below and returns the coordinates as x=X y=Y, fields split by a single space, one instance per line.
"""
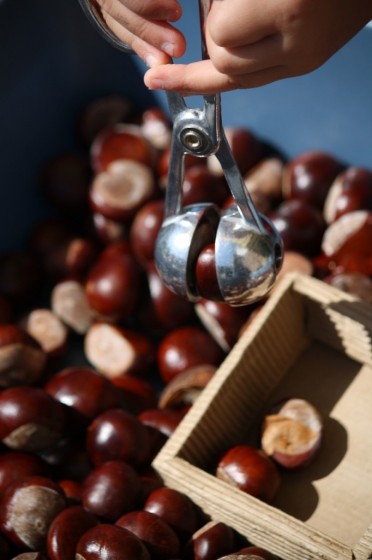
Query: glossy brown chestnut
x=164 y=421
x=300 y=225
x=346 y=243
x=116 y=351
x=206 y=275
x=31 y=556
x=116 y=542
x=27 y=508
x=110 y=490
x=15 y=465
x=250 y=470
x=71 y=257
x=168 y=309
x=65 y=531
x=83 y=389
x=137 y=394
x=201 y=185
x=176 y=509
x=30 y=419
x=70 y=303
x=350 y=191
x=144 y=230
x=106 y=230
x=117 y=435
x=22 y=359
x=309 y=176
x=120 y=141
x=260 y=552
x=113 y=285
x=72 y=491
x=184 y=348
x=156 y=534
x=222 y=321
x=211 y=541
x=247 y=149
x=122 y=189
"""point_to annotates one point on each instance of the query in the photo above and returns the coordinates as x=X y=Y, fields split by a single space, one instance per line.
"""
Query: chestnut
x=300 y=225
x=70 y=303
x=27 y=508
x=265 y=179
x=201 y=185
x=48 y=329
x=122 y=189
x=72 y=256
x=259 y=551
x=222 y=321
x=292 y=436
x=185 y=388
x=15 y=465
x=120 y=141
x=144 y=230
x=116 y=542
x=31 y=556
x=137 y=394
x=83 y=389
x=250 y=470
x=65 y=531
x=309 y=176
x=156 y=128
x=355 y=283
x=102 y=112
x=213 y=540
x=184 y=348
x=116 y=351
x=117 y=435
x=176 y=509
x=113 y=285
x=110 y=490
x=107 y=231
x=72 y=491
x=350 y=191
x=164 y=420
x=346 y=243
x=22 y=359
x=159 y=538
x=246 y=147
x=169 y=310
x=30 y=419
x=206 y=274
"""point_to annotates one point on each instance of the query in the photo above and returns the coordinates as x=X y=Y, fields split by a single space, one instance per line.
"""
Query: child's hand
x=144 y=26
x=255 y=42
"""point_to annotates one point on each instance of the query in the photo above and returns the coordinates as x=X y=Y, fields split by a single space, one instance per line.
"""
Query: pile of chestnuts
x=99 y=361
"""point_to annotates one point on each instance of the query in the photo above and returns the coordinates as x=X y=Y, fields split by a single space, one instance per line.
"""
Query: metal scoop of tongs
x=248 y=249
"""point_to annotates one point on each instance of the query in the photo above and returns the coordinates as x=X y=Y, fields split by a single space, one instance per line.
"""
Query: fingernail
x=151 y=60
x=156 y=84
x=168 y=48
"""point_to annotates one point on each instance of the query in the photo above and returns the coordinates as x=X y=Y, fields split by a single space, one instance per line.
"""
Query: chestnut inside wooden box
x=312 y=341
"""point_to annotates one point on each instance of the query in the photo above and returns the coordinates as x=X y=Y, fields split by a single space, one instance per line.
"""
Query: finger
x=259 y=19
x=201 y=78
x=249 y=58
x=168 y=10
x=148 y=53
x=159 y=34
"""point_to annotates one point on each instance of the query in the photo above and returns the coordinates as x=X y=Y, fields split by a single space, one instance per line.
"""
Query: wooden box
x=312 y=341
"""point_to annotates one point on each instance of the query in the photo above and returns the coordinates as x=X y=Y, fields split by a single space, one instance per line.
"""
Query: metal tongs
x=248 y=249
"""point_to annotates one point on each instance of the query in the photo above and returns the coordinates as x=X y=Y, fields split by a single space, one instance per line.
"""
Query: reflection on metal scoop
x=247 y=259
